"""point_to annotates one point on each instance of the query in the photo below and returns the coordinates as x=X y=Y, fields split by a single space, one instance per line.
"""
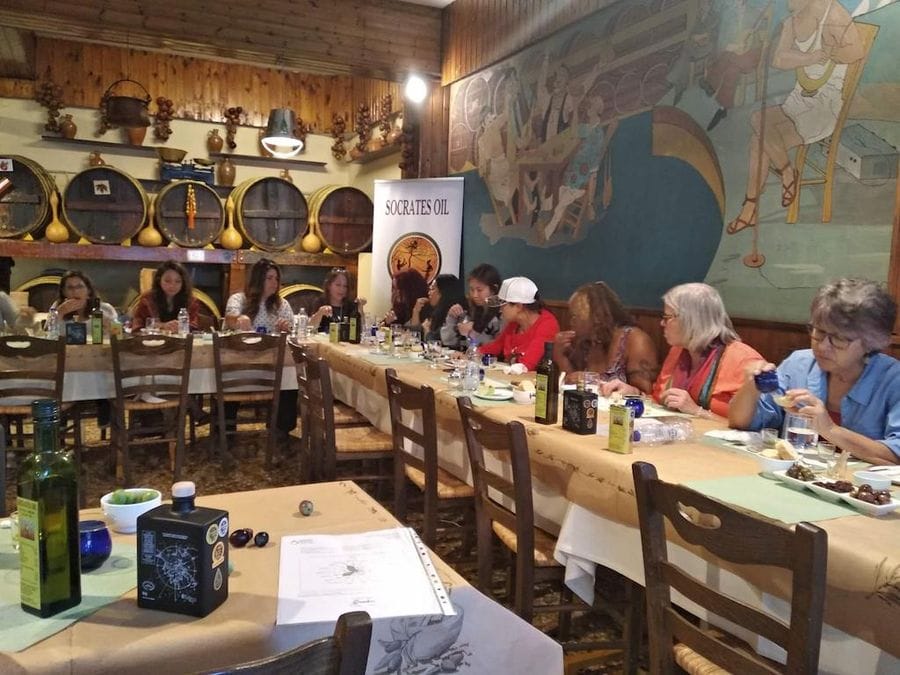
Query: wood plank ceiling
x=382 y=39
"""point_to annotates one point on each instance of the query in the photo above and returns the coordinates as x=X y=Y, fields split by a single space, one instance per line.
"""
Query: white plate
x=871 y=509
x=498 y=395
x=794 y=483
x=826 y=494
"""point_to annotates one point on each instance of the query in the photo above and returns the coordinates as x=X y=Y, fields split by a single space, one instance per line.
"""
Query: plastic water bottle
x=52 y=323
x=655 y=432
x=472 y=376
x=301 y=325
x=184 y=322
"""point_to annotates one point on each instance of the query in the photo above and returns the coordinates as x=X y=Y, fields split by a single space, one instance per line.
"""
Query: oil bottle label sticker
x=212 y=533
x=217 y=580
x=148 y=547
x=29 y=552
x=223 y=527
x=218 y=554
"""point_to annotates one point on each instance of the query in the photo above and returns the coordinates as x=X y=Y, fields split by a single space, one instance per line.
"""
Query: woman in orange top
x=707 y=360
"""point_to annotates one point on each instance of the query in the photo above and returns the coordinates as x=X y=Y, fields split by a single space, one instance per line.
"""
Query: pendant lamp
x=279 y=138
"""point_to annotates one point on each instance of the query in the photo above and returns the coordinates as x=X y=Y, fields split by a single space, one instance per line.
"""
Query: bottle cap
x=183 y=488
x=45 y=409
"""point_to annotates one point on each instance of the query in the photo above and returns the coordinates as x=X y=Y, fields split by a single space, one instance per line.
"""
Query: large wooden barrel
x=105 y=205
x=25 y=204
x=342 y=218
x=301 y=295
x=271 y=212
x=171 y=213
x=42 y=291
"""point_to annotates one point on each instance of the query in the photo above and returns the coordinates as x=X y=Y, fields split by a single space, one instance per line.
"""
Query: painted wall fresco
x=747 y=143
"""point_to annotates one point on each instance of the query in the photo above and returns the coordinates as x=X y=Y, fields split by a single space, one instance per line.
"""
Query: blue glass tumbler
x=767 y=381
x=636 y=403
x=96 y=544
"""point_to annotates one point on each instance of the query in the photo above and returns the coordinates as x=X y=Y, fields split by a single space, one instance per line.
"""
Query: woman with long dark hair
x=444 y=292
x=406 y=288
x=335 y=303
x=259 y=305
x=484 y=322
x=171 y=291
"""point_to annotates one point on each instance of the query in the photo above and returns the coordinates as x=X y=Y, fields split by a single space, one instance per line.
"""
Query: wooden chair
x=439 y=487
x=248 y=370
x=151 y=374
x=324 y=444
x=830 y=145
x=32 y=368
x=346 y=652
x=3 y=510
x=735 y=537
x=515 y=530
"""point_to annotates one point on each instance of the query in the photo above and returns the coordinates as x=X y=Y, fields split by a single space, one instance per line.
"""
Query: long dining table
x=585 y=493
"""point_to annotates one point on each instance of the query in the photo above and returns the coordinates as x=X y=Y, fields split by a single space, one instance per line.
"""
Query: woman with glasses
x=77 y=298
x=527 y=324
x=171 y=291
x=483 y=322
x=706 y=363
x=849 y=389
x=604 y=339
x=334 y=304
x=259 y=306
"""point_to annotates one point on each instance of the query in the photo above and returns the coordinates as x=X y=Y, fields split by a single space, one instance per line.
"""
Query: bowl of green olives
x=122 y=507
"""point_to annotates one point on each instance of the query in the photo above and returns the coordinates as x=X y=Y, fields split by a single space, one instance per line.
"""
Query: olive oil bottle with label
x=47 y=503
x=546 y=386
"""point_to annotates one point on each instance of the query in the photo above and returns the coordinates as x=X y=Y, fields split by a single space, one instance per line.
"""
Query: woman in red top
x=527 y=324
x=171 y=290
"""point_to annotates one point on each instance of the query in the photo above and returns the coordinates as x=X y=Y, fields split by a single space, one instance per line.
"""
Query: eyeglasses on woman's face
x=835 y=340
x=666 y=318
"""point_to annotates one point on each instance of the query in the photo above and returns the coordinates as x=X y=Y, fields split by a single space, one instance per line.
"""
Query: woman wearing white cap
x=527 y=324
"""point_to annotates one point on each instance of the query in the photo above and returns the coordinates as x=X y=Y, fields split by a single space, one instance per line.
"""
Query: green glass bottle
x=546 y=385
x=47 y=502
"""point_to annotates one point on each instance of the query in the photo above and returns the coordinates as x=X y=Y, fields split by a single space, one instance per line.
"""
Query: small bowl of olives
x=876 y=480
x=122 y=507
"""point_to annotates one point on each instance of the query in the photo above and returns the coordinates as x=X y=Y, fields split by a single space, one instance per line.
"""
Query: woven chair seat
x=248 y=396
x=448 y=485
x=362 y=439
x=693 y=663
x=25 y=410
x=544 y=544
x=144 y=405
x=344 y=416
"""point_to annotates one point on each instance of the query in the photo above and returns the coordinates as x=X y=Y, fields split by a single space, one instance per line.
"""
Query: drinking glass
x=827 y=454
x=769 y=437
x=152 y=327
x=591 y=381
x=435 y=350
x=799 y=432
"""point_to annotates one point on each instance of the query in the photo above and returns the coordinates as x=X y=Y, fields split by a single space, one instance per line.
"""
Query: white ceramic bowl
x=123 y=517
x=877 y=480
x=523 y=397
x=769 y=465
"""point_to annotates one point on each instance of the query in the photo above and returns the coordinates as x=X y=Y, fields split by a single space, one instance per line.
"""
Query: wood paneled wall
x=478 y=33
x=200 y=89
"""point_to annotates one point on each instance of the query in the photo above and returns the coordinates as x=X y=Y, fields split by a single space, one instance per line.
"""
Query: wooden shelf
x=120 y=148
x=155 y=186
x=248 y=257
x=257 y=160
x=376 y=154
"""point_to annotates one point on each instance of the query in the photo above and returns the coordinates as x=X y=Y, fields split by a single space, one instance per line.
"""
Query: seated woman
x=171 y=290
x=705 y=365
x=334 y=303
x=259 y=305
x=483 y=322
x=406 y=288
x=77 y=298
x=444 y=292
x=851 y=391
x=527 y=325
x=605 y=340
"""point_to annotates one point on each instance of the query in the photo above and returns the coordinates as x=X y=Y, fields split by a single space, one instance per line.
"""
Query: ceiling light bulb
x=416 y=90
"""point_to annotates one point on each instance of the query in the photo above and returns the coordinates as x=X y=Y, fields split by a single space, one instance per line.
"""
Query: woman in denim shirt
x=849 y=388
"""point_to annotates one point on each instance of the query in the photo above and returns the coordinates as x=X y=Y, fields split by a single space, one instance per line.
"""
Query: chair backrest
x=413 y=403
x=31 y=368
x=247 y=362
x=346 y=652
x=738 y=538
x=319 y=415
x=508 y=443
x=152 y=366
x=298 y=350
x=3 y=469
x=867 y=33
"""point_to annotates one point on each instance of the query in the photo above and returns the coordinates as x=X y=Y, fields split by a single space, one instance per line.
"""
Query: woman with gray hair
x=707 y=360
x=849 y=389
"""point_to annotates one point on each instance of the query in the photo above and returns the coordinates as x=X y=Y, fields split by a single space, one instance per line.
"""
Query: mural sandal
x=739 y=223
x=789 y=191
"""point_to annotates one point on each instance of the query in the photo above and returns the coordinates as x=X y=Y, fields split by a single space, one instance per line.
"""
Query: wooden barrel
x=25 y=204
x=301 y=295
x=42 y=291
x=105 y=205
x=342 y=218
x=271 y=212
x=171 y=213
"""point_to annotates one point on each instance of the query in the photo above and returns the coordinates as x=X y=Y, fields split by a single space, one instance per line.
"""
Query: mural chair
x=346 y=652
x=825 y=175
x=737 y=538
x=410 y=404
x=756 y=78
